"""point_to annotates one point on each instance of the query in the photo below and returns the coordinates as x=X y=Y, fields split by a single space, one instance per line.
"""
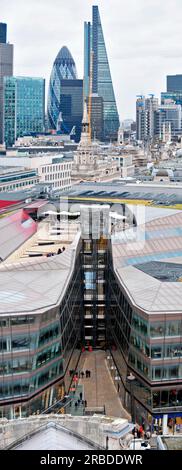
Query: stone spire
x=85 y=126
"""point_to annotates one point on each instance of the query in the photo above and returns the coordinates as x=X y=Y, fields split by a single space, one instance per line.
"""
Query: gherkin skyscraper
x=96 y=63
x=64 y=68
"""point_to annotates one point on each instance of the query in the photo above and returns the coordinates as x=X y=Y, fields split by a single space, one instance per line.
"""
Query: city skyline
x=141 y=53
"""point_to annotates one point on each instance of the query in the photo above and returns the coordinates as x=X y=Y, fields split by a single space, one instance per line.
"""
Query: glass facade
x=94 y=273
x=71 y=106
x=35 y=351
x=150 y=348
x=174 y=83
x=101 y=76
x=24 y=107
x=3 y=33
x=6 y=70
x=175 y=96
x=63 y=69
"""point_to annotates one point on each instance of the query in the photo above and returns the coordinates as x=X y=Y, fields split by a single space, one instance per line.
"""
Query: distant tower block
x=166 y=132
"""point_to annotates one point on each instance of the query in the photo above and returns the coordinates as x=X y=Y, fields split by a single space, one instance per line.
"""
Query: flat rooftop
x=160 y=194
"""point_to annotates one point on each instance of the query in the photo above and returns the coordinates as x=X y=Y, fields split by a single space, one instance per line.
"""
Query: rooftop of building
x=142 y=253
x=147 y=260
x=160 y=194
x=27 y=276
x=63 y=432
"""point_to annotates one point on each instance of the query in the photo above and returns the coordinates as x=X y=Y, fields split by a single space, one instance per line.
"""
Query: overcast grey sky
x=143 y=40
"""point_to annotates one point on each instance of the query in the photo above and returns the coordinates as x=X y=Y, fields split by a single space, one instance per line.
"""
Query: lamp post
x=131 y=379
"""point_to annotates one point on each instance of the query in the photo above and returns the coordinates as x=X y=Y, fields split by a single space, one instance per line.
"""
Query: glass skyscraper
x=174 y=83
x=71 y=105
x=63 y=69
x=96 y=60
x=24 y=107
x=3 y=33
x=6 y=69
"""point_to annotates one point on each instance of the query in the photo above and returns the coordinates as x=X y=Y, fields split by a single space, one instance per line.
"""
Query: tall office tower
x=24 y=107
x=168 y=113
x=65 y=94
x=145 y=108
x=71 y=106
x=97 y=121
x=174 y=83
x=96 y=68
x=6 y=69
x=3 y=33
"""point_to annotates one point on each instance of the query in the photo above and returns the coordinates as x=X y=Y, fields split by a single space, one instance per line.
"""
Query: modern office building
x=6 y=69
x=71 y=106
x=3 y=33
x=97 y=76
x=97 y=116
x=53 y=170
x=117 y=287
x=40 y=331
x=175 y=96
x=168 y=113
x=65 y=95
x=24 y=107
x=16 y=179
x=174 y=83
x=145 y=324
x=145 y=108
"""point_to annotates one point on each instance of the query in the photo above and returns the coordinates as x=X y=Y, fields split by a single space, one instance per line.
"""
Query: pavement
x=99 y=390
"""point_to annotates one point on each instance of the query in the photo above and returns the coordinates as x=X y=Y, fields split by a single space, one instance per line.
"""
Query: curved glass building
x=64 y=68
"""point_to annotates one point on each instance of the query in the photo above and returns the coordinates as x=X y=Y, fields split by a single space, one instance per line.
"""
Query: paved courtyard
x=99 y=390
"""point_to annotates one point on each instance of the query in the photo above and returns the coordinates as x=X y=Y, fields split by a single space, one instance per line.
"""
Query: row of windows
x=53 y=168
x=26 y=364
x=24 y=386
x=57 y=176
x=156 y=351
x=50 y=315
x=19 y=342
x=157 y=329
x=18 y=185
x=164 y=372
x=63 y=183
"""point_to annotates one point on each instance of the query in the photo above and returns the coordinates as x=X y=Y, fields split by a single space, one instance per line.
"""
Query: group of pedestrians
x=80 y=374
x=139 y=432
x=80 y=401
x=86 y=374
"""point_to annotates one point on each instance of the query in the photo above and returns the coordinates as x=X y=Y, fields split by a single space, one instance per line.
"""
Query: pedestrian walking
x=82 y=374
x=81 y=395
x=76 y=404
x=85 y=403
